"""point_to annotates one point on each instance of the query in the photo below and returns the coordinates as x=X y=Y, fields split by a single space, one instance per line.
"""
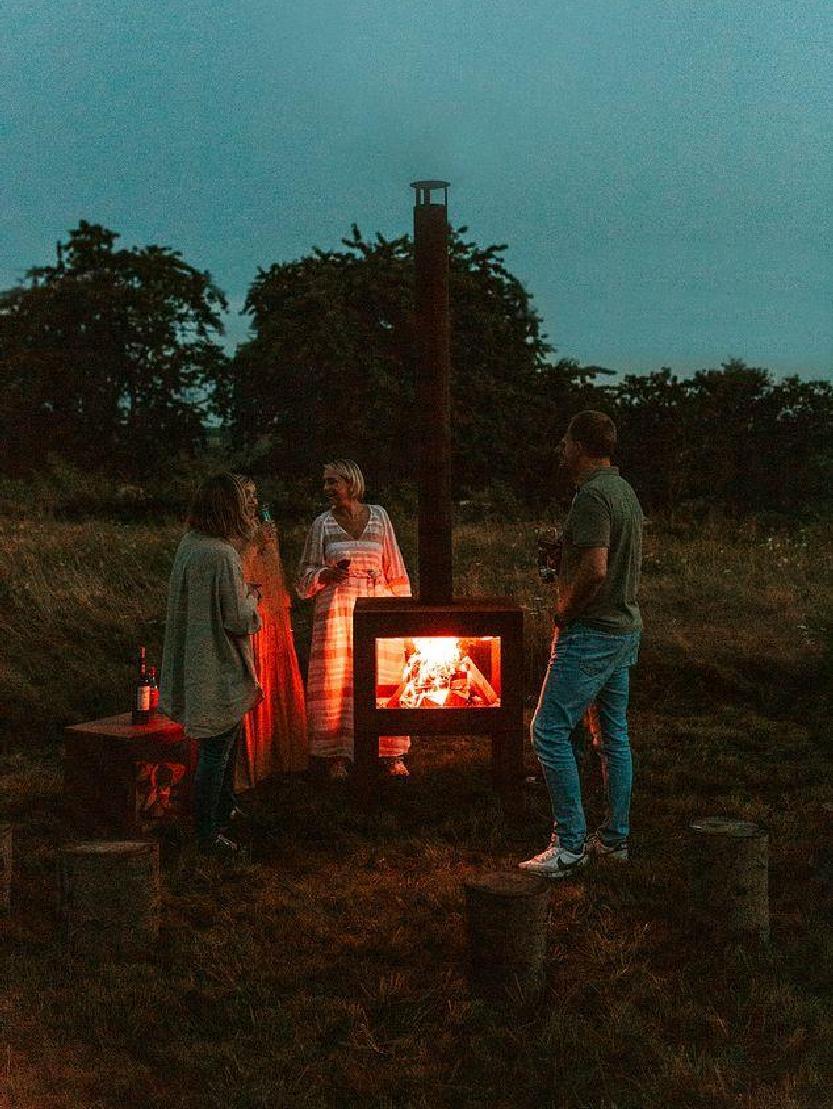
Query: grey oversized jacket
x=208 y=680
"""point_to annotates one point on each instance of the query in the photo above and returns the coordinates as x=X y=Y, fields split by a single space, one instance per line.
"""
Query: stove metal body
x=436 y=613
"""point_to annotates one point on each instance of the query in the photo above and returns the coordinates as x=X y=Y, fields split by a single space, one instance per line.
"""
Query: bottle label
x=143 y=698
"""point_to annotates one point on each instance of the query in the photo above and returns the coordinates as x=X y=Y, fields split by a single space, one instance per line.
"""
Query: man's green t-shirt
x=606 y=513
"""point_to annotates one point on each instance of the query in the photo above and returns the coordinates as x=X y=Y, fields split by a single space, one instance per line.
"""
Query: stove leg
x=366 y=768
x=507 y=769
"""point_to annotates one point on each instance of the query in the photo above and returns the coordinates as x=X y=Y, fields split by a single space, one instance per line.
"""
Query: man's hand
x=574 y=596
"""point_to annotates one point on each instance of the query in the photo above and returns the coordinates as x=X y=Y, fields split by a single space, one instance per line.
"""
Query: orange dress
x=273 y=739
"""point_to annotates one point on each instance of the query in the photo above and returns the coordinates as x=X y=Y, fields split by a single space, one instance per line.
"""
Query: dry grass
x=327 y=967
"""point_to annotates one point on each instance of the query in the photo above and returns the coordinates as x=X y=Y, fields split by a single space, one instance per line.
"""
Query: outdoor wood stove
x=463 y=669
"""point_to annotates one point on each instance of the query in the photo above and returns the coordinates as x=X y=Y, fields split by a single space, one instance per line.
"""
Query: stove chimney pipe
x=433 y=392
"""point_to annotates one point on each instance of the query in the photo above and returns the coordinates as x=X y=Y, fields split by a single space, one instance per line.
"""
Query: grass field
x=327 y=967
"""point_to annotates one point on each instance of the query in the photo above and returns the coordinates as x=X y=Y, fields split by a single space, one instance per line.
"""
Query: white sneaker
x=555 y=862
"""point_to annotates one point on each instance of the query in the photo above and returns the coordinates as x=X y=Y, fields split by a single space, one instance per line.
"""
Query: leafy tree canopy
x=330 y=367
x=104 y=356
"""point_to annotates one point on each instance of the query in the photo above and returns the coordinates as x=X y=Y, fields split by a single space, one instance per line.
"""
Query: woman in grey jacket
x=208 y=677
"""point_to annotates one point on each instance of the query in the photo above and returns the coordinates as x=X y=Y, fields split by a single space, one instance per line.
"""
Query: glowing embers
x=438 y=672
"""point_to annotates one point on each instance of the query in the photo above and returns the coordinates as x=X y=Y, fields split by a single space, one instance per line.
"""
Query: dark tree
x=656 y=414
x=330 y=367
x=105 y=357
x=797 y=458
x=761 y=445
x=558 y=391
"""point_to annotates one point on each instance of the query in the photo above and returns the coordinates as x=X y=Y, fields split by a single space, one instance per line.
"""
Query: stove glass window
x=438 y=672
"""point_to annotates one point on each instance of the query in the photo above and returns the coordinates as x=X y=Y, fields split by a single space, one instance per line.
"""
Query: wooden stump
x=5 y=868
x=109 y=897
x=507 y=915
x=731 y=880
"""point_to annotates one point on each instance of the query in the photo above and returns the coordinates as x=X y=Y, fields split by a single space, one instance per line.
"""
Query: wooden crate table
x=125 y=777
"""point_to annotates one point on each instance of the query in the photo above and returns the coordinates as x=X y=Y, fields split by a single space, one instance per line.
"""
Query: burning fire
x=428 y=672
x=439 y=674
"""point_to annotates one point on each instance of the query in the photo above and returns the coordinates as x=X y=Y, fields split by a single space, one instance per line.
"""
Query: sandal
x=337 y=769
x=396 y=768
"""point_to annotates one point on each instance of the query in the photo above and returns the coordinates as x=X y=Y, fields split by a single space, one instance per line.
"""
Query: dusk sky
x=661 y=169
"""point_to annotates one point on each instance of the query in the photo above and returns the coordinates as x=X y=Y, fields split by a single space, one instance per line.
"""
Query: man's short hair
x=595 y=432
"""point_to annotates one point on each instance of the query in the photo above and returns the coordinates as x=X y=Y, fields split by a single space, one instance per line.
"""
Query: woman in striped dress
x=351 y=551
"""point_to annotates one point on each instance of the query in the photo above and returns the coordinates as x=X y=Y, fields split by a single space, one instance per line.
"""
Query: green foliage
x=330 y=369
x=732 y=439
x=109 y=360
x=103 y=357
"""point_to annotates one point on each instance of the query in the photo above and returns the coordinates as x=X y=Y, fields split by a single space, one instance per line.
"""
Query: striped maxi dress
x=376 y=570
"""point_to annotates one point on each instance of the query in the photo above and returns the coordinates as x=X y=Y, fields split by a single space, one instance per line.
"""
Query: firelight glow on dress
x=274 y=735
x=376 y=570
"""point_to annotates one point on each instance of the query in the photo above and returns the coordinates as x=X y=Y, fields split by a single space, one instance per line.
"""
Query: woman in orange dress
x=274 y=735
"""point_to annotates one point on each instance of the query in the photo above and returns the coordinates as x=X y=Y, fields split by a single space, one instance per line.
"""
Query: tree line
x=111 y=359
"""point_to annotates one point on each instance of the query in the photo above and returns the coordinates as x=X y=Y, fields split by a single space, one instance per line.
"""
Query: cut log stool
x=731 y=880
x=5 y=868
x=507 y=914
x=109 y=897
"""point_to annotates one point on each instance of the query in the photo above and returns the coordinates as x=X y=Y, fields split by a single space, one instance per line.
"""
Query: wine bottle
x=141 y=692
x=153 y=674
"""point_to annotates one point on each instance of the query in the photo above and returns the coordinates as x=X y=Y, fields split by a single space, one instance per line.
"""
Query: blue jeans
x=214 y=784
x=586 y=666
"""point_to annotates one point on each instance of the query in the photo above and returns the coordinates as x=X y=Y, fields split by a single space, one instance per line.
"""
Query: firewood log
x=479 y=682
x=393 y=700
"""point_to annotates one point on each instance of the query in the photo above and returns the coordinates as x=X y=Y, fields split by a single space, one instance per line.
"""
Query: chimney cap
x=425 y=188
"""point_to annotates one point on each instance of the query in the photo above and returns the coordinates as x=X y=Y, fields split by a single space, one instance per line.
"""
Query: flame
x=429 y=670
x=439 y=673
x=438 y=651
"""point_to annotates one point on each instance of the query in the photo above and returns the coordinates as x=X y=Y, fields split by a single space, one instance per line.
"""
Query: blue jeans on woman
x=214 y=784
x=586 y=666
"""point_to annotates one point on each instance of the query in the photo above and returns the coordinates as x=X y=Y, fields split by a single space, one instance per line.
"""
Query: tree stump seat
x=109 y=898
x=506 y=916
x=731 y=876
x=127 y=779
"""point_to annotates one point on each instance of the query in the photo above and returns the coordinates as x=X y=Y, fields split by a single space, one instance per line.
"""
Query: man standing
x=596 y=643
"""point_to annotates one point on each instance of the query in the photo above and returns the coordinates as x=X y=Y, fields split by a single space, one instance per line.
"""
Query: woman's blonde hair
x=220 y=508
x=349 y=470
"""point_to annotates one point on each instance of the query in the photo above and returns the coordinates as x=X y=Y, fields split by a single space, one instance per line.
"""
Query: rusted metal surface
x=389 y=617
x=433 y=397
x=436 y=613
